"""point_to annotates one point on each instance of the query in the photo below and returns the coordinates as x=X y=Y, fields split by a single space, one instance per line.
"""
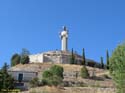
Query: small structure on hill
x=56 y=57
x=62 y=56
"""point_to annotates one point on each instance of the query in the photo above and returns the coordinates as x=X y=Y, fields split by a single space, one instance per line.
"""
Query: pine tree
x=25 y=52
x=107 y=59
x=1 y=81
x=102 y=64
x=7 y=80
x=24 y=56
x=117 y=67
x=24 y=59
x=83 y=57
x=15 y=59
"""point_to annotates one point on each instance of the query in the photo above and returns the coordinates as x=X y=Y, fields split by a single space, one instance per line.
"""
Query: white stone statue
x=64 y=39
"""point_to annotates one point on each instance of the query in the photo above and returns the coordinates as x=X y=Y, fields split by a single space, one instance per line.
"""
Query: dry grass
x=38 y=67
x=47 y=89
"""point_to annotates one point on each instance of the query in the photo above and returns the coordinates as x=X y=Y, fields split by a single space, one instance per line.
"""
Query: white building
x=61 y=56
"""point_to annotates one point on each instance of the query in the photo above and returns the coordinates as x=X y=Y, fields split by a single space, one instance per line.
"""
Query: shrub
x=84 y=72
x=47 y=74
x=57 y=70
x=34 y=82
x=44 y=81
x=53 y=76
x=53 y=80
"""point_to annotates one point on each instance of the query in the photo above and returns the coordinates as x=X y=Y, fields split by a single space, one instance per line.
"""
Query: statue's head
x=64 y=32
x=64 y=28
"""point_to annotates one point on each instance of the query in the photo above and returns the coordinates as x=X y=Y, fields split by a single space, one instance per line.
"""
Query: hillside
x=100 y=82
x=47 y=89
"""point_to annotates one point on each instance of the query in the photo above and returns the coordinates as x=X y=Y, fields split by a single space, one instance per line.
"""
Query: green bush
x=34 y=82
x=44 y=81
x=57 y=70
x=84 y=72
x=52 y=81
x=47 y=74
x=54 y=76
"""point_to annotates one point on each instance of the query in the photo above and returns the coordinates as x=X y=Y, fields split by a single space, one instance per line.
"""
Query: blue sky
x=96 y=25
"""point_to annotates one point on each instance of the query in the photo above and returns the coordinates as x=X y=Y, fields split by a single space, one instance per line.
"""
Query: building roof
x=37 y=67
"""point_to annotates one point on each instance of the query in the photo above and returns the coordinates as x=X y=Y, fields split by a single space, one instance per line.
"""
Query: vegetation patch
x=53 y=77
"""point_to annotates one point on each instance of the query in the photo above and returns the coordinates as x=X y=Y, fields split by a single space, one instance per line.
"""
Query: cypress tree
x=102 y=64
x=83 y=57
x=107 y=59
x=72 y=60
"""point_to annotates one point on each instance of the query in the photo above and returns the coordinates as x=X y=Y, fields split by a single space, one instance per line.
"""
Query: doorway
x=20 y=77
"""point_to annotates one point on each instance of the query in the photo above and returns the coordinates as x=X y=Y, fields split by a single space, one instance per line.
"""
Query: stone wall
x=88 y=83
x=54 y=57
x=91 y=90
x=37 y=58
